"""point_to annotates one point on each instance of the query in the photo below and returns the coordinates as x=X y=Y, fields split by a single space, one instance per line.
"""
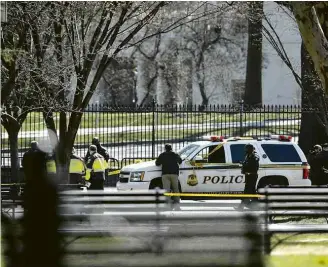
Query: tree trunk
x=63 y=151
x=253 y=84
x=314 y=35
x=14 y=160
x=312 y=130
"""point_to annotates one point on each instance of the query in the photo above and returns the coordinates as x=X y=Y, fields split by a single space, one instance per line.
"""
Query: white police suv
x=214 y=166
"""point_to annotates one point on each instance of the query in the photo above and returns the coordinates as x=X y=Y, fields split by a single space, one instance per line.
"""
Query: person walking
x=170 y=162
x=77 y=168
x=250 y=168
x=95 y=173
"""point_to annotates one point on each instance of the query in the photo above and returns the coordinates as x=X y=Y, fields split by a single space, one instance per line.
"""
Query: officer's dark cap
x=249 y=146
x=168 y=147
x=95 y=140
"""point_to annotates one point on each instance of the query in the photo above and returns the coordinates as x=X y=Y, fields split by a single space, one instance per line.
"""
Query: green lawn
x=297 y=261
x=34 y=120
x=305 y=253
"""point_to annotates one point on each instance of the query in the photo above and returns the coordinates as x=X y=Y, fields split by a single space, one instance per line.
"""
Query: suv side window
x=281 y=152
x=217 y=156
x=237 y=153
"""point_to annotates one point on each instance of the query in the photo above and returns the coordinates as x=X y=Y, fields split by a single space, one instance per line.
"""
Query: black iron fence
x=140 y=132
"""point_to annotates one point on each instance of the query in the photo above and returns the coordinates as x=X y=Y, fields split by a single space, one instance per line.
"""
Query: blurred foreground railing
x=293 y=202
x=140 y=229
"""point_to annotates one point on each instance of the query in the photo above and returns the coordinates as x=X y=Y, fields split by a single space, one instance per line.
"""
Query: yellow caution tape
x=114 y=172
x=210 y=195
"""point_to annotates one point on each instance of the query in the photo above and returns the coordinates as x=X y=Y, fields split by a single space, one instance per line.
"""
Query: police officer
x=77 y=168
x=318 y=160
x=250 y=168
x=170 y=172
x=27 y=161
x=324 y=180
x=100 y=149
x=96 y=166
x=40 y=240
x=51 y=165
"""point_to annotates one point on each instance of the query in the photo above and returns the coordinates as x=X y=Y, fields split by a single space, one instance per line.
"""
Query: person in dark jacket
x=170 y=162
x=95 y=174
x=250 y=168
x=28 y=160
x=318 y=158
x=40 y=240
x=100 y=150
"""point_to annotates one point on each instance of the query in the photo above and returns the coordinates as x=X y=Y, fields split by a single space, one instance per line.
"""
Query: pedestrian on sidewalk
x=170 y=162
x=250 y=169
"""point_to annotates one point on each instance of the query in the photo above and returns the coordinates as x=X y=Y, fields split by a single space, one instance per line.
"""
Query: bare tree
x=314 y=116
x=23 y=71
x=253 y=85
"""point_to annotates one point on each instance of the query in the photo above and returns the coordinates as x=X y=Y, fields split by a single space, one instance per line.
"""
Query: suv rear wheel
x=272 y=180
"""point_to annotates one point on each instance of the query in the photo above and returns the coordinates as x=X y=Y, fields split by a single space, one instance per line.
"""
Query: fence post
x=153 y=130
x=241 y=112
x=267 y=234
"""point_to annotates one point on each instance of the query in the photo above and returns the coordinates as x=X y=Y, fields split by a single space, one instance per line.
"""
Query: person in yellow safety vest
x=77 y=168
x=96 y=166
x=51 y=164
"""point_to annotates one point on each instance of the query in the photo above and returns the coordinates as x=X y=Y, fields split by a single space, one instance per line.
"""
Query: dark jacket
x=318 y=171
x=170 y=162
x=34 y=164
x=251 y=164
x=100 y=150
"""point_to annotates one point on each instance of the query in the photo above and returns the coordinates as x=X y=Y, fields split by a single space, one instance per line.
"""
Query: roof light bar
x=286 y=138
x=214 y=138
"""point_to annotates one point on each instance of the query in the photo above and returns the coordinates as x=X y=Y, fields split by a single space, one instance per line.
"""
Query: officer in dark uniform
x=100 y=149
x=77 y=168
x=324 y=178
x=40 y=240
x=250 y=168
x=27 y=161
x=96 y=166
x=318 y=160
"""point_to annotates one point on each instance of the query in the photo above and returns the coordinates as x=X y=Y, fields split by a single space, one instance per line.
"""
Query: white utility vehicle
x=214 y=166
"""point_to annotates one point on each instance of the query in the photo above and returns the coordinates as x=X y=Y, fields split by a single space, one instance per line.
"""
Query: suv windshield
x=187 y=150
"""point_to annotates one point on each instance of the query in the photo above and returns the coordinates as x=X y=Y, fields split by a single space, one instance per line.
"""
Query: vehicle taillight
x=306 y=170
